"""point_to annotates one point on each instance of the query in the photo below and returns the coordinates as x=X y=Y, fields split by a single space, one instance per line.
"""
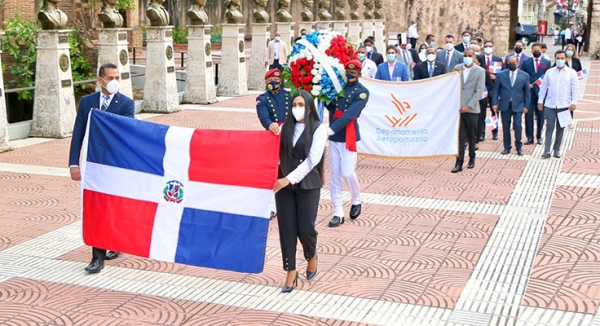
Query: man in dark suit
x=535 y=67
x=512 y=95
x=487 y=60
x=521 y=57
x=371 y=53
x=430 y=67
x=466 y=39
x=108 y=99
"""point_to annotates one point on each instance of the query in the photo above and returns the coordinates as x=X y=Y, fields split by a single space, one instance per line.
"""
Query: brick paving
x=395 y=265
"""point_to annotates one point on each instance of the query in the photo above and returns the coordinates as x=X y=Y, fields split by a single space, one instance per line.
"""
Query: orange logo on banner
x=403 y=121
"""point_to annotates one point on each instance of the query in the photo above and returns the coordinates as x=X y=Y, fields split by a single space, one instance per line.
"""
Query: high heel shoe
x=288 y=289
x=310 y=275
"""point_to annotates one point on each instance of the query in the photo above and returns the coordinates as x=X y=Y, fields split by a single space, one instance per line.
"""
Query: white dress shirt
x=412 y=32
x=560 y=88
x=102 y=99
x=276 y=50
x=369 y=68
x=314 y=154
x=466 y=72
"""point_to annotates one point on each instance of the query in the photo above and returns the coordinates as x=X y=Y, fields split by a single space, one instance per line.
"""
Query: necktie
x=430 y=70
x=512 y=78
x=537 y=65
x=518 y=58
x=447 y=61
x=489 y=59
x=105 y=102
x=405 y=57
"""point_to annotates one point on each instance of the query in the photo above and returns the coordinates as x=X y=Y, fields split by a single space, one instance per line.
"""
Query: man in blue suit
x=392 y=70
x=512 y=95
x=108 y=99
x=535 y=67
x=450 y=56
x=521 y=57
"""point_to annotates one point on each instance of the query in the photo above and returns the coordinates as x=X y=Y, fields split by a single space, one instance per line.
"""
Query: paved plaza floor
x=514 y=241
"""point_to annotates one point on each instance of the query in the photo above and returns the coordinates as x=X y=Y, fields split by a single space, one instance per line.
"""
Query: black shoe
x=539 y=142
x=481 y=138
x=273 y=214
x=495 y=137
x=355 y=211
x=456 y=169
x=112 y=255
x=95 y=266
x=519 y=152
x=557 y=155
x=336 y=221
x=529 y=142
x=505 y=151
x=288 y=289
x=471 y=164
x=546 y=155
x=310 y=275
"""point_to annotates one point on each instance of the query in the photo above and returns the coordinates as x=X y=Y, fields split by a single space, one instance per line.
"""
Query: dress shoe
x=529 y=142
x=495 y=137
x=540 y=141
x=557 y=155
x=310 y=275
x=95 y=266
x=273 y=214
x=471 y=164
x=481 y=138
x=288 y=289
x=505 y=151
x=456 y=169
x=112 y=255
x=355 y=211
x=546 y=155
x=336 y=221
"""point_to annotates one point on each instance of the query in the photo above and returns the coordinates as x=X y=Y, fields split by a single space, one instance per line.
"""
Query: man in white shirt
x=278 y=52
x=560 y=89
x=413 y=34
x=369 y=68
x=569 y=34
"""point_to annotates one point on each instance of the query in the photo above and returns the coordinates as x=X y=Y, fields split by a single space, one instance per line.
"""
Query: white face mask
x=113 y=86
x=431 y=57
x=488 y=50
x=369 y=49
x=298 y=113
x=449 y=46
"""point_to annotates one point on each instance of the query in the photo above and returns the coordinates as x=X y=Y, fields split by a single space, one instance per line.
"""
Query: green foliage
x=180 y=35
x=122 y=5
x=216 y=34
x=80 y=67
x=19 y=41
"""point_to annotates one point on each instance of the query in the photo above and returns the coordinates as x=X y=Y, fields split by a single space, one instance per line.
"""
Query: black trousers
x=296 y=216
x=276 y=65
x=468 y=130
x=413 y=42
x=481 y=120
x=529 y=120
x=98 y=253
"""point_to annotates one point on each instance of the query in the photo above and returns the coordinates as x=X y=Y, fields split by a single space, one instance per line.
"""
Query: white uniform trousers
x=343 y=164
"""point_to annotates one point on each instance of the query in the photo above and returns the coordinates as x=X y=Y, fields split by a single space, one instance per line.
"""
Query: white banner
x=411 y=119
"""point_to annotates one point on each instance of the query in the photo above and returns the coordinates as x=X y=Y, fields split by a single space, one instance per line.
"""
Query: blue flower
x=297 y=48
x=313 y=38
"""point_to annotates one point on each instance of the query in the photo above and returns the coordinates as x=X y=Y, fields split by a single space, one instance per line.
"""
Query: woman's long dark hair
x=311 y=122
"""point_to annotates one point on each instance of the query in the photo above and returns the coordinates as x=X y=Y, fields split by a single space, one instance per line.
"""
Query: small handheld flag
x=485 y=93
x=582 y=74
x=495 y=68
x=491 y=123
x=539 y=81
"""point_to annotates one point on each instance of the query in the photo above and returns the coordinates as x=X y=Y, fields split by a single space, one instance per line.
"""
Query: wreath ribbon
x=323 y=61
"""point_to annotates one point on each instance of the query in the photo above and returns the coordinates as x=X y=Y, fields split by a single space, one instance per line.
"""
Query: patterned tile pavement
x=514 y=241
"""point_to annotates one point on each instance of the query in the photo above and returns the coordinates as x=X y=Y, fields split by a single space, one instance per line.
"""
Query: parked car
x=529 y=34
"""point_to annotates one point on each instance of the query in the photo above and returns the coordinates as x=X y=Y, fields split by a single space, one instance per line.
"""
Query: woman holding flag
x=298 y=189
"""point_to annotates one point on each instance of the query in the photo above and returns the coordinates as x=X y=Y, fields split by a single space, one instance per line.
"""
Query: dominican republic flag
x=582 y=74
x=540 y=80
x=495 y=67
x=190 y=196
x=485 y=93
x=491 y=123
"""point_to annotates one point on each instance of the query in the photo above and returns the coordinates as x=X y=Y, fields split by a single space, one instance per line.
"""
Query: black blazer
x=460 y=47
x=421 y=70
x=575 y=65
x=415 y=56
x=377 y=58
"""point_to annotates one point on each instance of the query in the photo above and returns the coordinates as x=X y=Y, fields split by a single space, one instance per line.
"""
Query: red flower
x=307 y=88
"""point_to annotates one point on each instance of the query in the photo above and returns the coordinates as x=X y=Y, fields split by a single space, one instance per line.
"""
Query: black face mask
x=273 y=86
x=351 y=77
x=537 y=54
x=518 y=49
x=512 y=66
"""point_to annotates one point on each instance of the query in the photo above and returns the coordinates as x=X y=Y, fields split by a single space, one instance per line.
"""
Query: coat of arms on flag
x=495 y=68
x=190 y=196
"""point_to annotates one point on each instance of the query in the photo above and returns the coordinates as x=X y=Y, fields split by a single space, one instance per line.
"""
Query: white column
x=3 y=117
x=354 y=32
x=54 y=102
x=286 y=29
x=324 y=25
x=259 y=56
x=368 y=29
x=341 y=27
x=308 y=26
x=232 y=72
x=380 y=37
x=113 y=48
x=200 y=81
x=160 y=87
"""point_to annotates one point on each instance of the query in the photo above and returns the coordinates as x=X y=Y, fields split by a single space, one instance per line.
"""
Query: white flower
x=315 y=92
x=317 y=88
x=316 y=79
x=314 y=72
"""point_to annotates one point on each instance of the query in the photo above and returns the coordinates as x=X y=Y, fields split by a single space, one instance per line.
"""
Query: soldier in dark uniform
x=272 y=108
x=343 y=134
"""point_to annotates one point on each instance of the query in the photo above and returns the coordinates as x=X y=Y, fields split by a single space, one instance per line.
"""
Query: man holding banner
x=343 y=134
x=473 y=83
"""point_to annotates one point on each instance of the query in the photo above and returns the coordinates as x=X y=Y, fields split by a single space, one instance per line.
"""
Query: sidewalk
x=515 y=241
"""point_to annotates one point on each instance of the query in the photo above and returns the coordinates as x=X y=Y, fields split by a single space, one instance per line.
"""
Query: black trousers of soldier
x=98 y=253
x=296 y=216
